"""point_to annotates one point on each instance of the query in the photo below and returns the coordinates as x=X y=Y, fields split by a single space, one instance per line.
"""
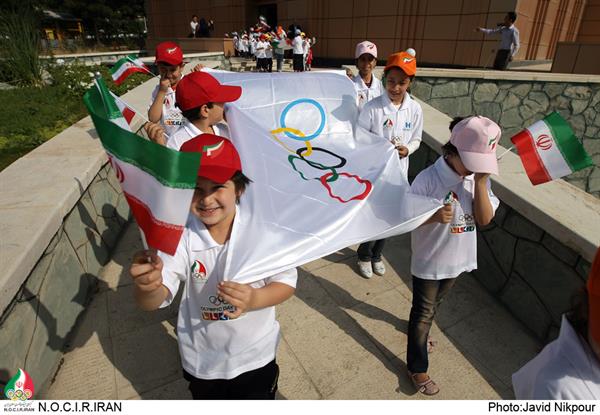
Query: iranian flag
x=127 y=66
x=157 y=182
x=127 y=111
x=549 y=150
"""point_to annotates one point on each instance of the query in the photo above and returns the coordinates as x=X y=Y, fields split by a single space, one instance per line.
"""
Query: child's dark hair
x=449 y=149
x=385 y=74
x=193 y=114
x=512 y=16
x=240 y=182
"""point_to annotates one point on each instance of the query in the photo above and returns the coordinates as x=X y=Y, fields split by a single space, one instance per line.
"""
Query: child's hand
x=238 y=295
x=198 y=68
x=443 y=214
x=146 y=270
x=402 y=151
x=164 y=84
x=155 y=133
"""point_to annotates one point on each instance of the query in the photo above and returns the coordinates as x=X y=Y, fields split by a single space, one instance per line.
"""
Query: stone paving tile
x=86 y=372
x=146 y=358
x=294 y=382
x=493 y=340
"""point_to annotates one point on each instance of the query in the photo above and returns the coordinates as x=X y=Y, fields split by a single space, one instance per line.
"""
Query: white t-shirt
x=441 y=250
x=565 y=369
x=171 y=118
x=268 y=50
x=298 y=45
x=365 y=93
x=381 y=117
x=193 y=26
x=261 y=49
x=188 y=131
x=210 y=345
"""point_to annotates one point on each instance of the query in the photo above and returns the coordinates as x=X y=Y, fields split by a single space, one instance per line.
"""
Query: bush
x=37 y=114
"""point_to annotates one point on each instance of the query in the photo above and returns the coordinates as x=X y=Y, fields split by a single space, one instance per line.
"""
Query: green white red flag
x=157 y=182
x=550 y=150
x=127 y=66
x=127 y=111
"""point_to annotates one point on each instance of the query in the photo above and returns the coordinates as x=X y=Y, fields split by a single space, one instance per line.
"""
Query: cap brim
x=228 y=93
x=365 y=53
x=479 y=162
x=217 y=174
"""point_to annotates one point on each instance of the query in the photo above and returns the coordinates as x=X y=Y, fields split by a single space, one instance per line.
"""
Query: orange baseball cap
x=404 y=61
x=593 y=288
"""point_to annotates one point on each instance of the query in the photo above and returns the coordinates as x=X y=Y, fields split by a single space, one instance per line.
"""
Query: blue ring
x=300 y=101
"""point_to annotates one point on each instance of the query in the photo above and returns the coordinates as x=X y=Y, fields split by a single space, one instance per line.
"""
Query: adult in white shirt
x=509 y=42
x=298 y=51
x=194 y=27
x=366 y=84
x=568 y=367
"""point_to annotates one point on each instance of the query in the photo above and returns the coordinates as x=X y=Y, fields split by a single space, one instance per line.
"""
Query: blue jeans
x=370 y=251
x=427 y=296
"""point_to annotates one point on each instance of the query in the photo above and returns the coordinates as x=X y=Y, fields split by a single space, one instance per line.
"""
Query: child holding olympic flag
x=227 y=332
x=446 y=245
x=398 y=118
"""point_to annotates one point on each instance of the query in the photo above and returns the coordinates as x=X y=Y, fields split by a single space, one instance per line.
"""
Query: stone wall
x=36 y=326
x=518 y=104
x=534 y=275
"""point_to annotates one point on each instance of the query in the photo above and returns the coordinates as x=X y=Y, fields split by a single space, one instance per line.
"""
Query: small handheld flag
x=157 y=182
x=127 y=66
x=549 y=150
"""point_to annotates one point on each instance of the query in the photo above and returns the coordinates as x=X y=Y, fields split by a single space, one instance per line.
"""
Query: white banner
x=318 y=183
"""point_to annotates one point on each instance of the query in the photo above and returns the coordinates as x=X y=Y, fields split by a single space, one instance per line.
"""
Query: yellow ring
x=308 y=151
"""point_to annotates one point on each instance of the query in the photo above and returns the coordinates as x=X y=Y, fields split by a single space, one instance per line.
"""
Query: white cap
x=365 y=47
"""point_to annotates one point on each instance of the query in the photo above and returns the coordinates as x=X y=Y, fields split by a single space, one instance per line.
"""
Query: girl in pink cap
x=445 y=246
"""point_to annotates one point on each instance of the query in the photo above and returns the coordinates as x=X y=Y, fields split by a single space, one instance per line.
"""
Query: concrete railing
x=61 y=214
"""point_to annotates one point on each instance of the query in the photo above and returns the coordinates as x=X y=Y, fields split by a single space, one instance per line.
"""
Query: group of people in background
x=263 y=44
x=236 y=359
x=200 y=27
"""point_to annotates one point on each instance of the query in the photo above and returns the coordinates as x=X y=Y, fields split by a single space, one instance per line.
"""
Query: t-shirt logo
x=492 y=143
x=407 y=125
x=198 y=271
x=388 y=123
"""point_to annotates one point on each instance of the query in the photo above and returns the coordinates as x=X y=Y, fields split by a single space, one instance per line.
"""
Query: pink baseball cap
x=365 y=47
x=476 y=139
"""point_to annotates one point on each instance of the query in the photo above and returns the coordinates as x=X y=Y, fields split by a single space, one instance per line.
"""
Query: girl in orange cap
x=397 y=118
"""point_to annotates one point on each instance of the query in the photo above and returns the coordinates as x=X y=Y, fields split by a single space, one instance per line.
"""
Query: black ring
x=319 y=165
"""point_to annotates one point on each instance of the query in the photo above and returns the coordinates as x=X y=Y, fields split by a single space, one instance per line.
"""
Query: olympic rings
x=333 y=173
x=319 y=165
x=279 y=130
x=302 y=137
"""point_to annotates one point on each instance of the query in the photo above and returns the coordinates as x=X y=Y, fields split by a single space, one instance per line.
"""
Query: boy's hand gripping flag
x=549 y=150
x=127 y=66
x=157 y=182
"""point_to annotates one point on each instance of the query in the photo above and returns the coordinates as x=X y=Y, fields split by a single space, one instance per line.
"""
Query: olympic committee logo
x=19 y=387
x=198 y=271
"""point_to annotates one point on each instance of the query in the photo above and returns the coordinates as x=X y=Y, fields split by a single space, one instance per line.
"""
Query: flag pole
x=505 y=153
x=138 y=113
x=143 y=67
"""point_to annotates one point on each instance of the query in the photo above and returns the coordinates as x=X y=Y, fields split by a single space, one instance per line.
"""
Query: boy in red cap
x=201 y=99
x=398 y=119
x=445 y=246
x=568 y=367
x=169 y=60
x=227 y=332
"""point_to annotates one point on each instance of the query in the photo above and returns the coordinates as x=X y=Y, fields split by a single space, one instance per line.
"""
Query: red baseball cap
x=219 y=161
x=199 y=88
x=169 y=52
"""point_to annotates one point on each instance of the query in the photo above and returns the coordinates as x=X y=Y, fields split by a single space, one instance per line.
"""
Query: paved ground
x=343 y=337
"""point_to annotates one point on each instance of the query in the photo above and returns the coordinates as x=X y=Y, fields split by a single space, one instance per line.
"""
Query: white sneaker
x=379 y=267
x=364 y=268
